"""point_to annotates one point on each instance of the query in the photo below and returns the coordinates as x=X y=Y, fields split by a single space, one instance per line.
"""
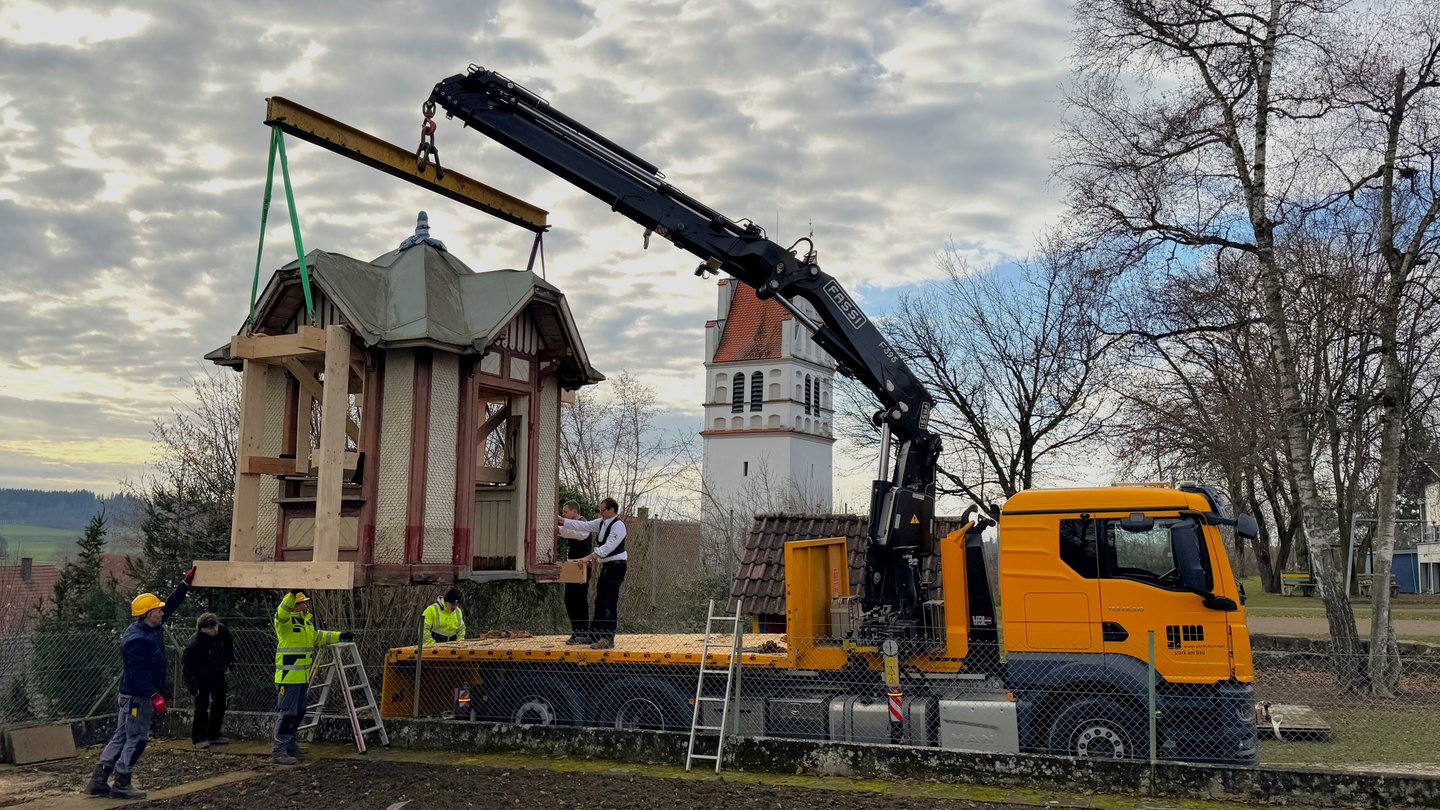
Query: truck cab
x=1089 y=580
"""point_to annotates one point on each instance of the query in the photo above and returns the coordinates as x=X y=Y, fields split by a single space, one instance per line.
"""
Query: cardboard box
x=573 y=571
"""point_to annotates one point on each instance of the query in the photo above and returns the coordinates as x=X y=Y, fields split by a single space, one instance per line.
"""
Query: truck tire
x=1099 y=727
x=534 y=701
x=641 y=704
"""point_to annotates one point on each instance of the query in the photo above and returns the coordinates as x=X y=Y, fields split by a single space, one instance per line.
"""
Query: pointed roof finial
x=422 y=235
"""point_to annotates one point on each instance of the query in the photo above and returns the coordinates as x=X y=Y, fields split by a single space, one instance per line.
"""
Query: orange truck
x=1038 y=636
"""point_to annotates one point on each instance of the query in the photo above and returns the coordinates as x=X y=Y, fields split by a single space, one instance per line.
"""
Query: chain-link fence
x=794 y=688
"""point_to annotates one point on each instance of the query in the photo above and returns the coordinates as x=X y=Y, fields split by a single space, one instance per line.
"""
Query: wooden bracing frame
x=294 y=355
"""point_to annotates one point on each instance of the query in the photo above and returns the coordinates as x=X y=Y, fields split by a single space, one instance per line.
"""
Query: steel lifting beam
x=342 y=139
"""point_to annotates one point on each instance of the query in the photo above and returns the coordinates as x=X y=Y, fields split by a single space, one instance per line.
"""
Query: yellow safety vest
x=448 y=624
x=296 y=640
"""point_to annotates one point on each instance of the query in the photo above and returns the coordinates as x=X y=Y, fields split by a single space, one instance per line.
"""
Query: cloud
x=134 y=158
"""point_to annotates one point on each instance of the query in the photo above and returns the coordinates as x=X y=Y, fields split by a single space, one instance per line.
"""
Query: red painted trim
x=465 y=465
x=419 y=455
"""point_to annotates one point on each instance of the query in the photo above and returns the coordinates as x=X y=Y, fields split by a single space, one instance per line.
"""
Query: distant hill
x=58 y=510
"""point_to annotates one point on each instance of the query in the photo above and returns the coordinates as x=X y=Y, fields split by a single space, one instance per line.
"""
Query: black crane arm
x=902 y=505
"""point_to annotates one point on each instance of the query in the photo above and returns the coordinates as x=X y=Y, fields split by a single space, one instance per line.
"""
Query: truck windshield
x=1144 y=556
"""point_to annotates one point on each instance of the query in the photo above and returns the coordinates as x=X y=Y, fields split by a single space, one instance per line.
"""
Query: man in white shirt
x=612 y=558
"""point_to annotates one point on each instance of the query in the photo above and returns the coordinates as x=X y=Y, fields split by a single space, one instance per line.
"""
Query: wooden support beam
x=344 y=140
x=348 y=460
x=306 y=340
x=253 y=384
x=334 y=411
x=308 y=576
x=311 y=386
x=266 y=465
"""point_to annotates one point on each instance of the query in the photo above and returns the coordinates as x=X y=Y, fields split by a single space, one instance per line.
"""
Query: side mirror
x=1245 y=526
x=1137 y=522
x=1185 y=547
x=1219 y=603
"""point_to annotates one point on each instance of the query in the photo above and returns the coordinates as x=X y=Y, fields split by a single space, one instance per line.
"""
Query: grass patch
x=1360 y=735
x=44 y=545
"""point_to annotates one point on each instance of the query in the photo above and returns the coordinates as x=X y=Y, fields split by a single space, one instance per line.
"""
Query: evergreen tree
x=77 y=640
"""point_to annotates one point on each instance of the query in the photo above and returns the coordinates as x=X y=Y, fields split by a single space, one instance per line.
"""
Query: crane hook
x=426 y=154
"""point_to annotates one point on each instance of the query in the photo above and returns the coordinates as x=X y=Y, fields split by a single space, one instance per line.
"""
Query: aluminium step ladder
x=699 y=729
x=342 y=667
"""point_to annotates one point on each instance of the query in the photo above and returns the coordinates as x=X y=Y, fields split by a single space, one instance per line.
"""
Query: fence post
x=419 y=649
x=1151 y=673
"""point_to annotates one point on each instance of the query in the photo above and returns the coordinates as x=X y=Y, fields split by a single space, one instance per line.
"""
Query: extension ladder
x=343 y=666
x=731 y=673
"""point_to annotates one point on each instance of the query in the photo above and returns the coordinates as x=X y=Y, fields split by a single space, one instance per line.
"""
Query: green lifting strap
x=277 y=144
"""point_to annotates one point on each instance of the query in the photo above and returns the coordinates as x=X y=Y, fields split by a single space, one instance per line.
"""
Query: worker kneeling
x=297 y=639
x=444 y=620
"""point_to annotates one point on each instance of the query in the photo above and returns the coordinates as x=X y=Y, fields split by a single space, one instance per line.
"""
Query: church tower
x=769 y=414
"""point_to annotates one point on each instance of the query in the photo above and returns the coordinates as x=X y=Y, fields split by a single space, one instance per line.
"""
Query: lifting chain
x=427 y=154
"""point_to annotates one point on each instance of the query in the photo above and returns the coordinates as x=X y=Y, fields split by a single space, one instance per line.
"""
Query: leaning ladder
x=731 y=673
x=343 y=665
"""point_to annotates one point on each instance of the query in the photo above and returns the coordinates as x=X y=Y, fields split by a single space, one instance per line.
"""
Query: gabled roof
x=752 y=327
x=760 y=582
x=420 y=296
x=21 y=600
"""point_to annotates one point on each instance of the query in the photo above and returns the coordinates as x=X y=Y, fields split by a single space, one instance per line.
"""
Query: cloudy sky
x=132 y=161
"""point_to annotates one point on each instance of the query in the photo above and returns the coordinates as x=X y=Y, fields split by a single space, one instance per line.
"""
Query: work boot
x=122 y=789
x=219 y=741
x=284 y=759
x=201 y=745
x=603 y=644
x=577 y=640
x=99 y=786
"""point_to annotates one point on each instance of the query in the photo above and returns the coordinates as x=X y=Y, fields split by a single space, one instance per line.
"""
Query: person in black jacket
x=208 y=655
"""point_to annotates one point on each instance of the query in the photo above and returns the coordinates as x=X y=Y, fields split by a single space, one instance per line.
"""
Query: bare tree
x=1387 y=84
x=612 y=446
x=1180 y=135
x=1019 y=362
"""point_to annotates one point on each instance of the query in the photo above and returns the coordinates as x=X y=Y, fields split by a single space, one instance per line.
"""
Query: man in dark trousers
x=610 y=553
x=142 y=681
x=209 y=654
x=577 y=594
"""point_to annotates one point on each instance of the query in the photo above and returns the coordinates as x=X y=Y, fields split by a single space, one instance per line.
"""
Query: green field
x=43 y=544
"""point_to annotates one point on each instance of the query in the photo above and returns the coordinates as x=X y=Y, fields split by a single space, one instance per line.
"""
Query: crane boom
x=902 y=502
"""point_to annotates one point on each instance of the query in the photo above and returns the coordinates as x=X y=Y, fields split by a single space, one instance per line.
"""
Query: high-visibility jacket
x=296 y=641
x=442 y=624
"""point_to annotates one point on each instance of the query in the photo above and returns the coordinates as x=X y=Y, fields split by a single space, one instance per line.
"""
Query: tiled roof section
x=760 y=582
x=752 y=328
x=113 y=566
x=20 y=599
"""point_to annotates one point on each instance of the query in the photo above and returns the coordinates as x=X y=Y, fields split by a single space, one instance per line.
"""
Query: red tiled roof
x=752 y=328
x=21 y=600
x=113 y=565
x=760 y=583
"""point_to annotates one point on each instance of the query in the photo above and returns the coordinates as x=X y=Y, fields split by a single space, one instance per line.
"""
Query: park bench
x=1293 y=582
x=1366 y=581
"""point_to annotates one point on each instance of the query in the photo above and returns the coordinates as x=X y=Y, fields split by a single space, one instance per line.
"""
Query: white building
x=768 y=407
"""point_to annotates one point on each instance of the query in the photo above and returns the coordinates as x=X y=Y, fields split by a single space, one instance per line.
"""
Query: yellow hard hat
x=144 y=603
x=301 y=597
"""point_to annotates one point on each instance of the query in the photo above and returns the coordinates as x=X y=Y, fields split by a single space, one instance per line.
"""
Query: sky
x=133 y=157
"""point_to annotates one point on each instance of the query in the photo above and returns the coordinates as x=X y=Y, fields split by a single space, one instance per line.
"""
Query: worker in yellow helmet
x=142 y=683
x=297 y=639
x=444 y=620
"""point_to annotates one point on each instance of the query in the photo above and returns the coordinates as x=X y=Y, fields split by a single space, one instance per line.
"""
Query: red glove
x=158 y=701
x=190 y=575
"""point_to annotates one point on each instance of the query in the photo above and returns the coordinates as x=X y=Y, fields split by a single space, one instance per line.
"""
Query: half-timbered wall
x=439 y=536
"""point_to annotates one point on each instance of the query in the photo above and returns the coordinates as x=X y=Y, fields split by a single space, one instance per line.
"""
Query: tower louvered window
x=757 y=391
x=807 y=395
x=737 y=393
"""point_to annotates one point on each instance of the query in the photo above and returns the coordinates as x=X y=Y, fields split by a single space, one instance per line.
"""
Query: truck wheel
x=534 y=702
x=641 y=704
x=1098 y=727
